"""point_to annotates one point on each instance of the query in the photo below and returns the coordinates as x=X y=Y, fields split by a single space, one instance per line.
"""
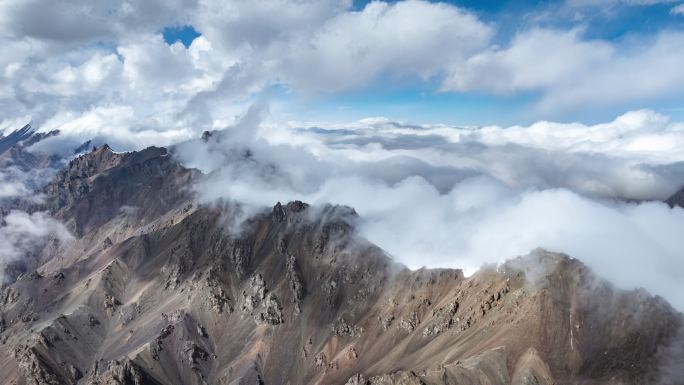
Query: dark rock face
x=278 y=215
x=295 y=282
x=677 y=199
x=154 y=290
x=11 y=140
x=95 y=187
x=121 y=372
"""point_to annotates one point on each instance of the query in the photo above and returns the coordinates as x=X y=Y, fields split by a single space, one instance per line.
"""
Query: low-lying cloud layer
x=22 y=233
x=463 y=197
x=10 y=187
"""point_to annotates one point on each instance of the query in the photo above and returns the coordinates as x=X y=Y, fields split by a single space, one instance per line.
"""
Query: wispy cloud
x=678 y=10
x=573 y=73
x=22 y=234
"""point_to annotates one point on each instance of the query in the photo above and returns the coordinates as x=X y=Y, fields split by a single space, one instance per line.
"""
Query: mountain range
x=156 y=287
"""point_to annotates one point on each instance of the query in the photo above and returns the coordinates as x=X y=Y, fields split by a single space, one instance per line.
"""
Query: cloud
x=636 y=156
x=520 y=67
x=252 y=26
x=572 y=73
x=115 y=125
x=678 y=10
x=85 y=21
x=141 y=65
x=22 y=233
x=20 y=183
x=409 y=38
x=10 y=188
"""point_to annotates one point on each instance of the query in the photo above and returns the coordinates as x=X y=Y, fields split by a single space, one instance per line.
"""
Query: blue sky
x=186 y=34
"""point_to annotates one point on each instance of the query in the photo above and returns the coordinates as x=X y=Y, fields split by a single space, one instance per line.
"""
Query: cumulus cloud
x=59 y=69
x=238 y=25
x=84 y=21
x=457 y=197
x=407 y=38
x=677 y=10
x=572 y=73
x=22 y=233
x=17 y=183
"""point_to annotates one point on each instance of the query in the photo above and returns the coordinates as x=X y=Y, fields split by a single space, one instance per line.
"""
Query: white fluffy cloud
x=16 y=182
x=63 y=68
x=22 y=233
x=88 y=21
x=636 y=156
x=537 y=59
x=403 y=39
x=259 y=26
x=115 y=125
x=642 y=135
x=572 y=73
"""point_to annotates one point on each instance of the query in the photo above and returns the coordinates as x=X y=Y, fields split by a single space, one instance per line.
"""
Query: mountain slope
x=677 y=199
x=156 y=289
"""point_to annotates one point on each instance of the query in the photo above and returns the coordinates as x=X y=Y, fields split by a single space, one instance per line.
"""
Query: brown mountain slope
x=157 y=290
